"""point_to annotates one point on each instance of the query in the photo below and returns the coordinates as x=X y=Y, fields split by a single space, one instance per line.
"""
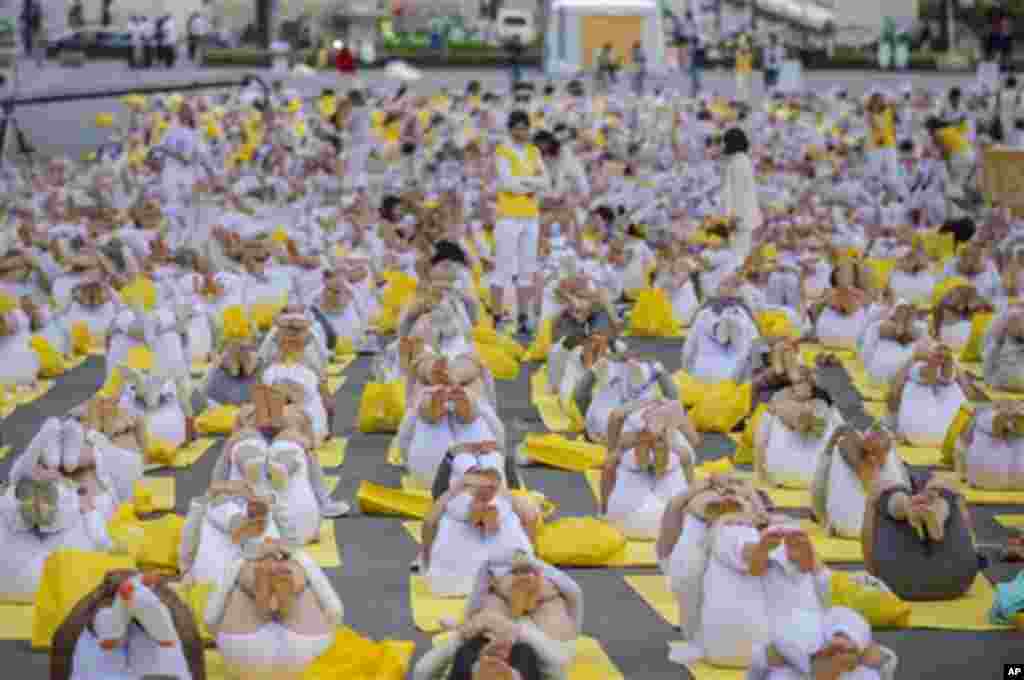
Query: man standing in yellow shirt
x=951 y=139
x=521 y=177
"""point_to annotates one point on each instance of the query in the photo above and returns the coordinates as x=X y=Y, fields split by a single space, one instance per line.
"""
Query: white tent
x=577 y=29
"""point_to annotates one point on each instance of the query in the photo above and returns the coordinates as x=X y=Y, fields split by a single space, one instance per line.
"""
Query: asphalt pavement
x=376 y=552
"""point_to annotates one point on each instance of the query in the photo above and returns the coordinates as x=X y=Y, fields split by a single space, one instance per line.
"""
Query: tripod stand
x=11 y=132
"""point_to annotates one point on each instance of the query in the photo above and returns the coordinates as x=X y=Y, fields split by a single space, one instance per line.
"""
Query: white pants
x=516 y=244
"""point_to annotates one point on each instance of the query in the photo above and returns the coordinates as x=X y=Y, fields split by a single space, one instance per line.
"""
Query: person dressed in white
x=522 y=175
x=837 y=644
x=739 y=191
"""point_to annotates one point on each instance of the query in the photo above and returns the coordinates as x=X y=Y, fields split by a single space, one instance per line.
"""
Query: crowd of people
x=227 y=255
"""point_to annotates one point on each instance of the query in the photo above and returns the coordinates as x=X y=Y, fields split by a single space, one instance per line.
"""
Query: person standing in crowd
x=197 y=30
x=107 y=17
x=522 y=177
x=147 y=34
x=31 y=18
x=883 y=156
x=1000 y=41
x=39 y=37
x=698 y=56
x=744 y=67
x=345 y=61
x=515 y=54
x=774 y=55
x=739 y=190
x=640 y=66
x=167 y=40
x=606 y=74
x=76 y=15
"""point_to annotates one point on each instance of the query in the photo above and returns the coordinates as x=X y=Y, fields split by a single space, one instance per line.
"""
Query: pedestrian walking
x=640 y=68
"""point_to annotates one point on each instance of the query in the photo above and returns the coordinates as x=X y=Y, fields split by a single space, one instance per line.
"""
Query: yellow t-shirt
x=953 y=140
x=744 y=61
x=519 y=205
x=883 y=130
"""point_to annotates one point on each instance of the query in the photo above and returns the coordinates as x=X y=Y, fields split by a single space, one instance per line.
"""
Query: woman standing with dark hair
x=739 y=190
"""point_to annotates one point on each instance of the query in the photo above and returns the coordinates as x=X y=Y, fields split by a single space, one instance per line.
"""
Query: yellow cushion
x=881 y=608
x=979 y=326
x=882 y=269
x=375 y=499
x=382 y=406
x=196 y=596
x=956 y=428
x=652 y=315
x=775 y=323
x=68 y=576
x=745 y=446
x=579 y=542
x=353 y=657
x=51 y=363
x=218 y=420
x=721 y=407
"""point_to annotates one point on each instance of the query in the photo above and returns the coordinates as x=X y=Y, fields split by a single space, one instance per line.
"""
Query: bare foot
x=800 y=551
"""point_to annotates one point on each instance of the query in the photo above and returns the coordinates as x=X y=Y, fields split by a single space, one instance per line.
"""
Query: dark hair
x=388 y=205
x=605 y=213
x=955 y=94
x=703 y=115
x=1011 y=81
x=473 y=87
x=518 y=118
x=735 y=141
x=357 y=98
x=449 y=251
x=962 y=229
x=906 y=146
x=408 y=148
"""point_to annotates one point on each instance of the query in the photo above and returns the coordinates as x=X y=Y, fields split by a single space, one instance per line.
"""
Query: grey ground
x=373 y=581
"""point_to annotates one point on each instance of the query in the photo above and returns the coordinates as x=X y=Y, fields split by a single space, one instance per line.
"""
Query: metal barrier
x=9 y=122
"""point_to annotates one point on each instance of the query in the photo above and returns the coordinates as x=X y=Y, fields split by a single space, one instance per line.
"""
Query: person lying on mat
x=919 y=539
x=273 y=612
x=721 y=546
x=521 y=623
x=475 y=520
x=651 y=456
x=836 y=645
x=130 y=626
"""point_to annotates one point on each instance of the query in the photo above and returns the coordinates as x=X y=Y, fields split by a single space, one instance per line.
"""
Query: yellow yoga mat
x=654 y=591
x=188 y=455
x=970 y=612
x=395 y=454
x=161 y=492
x=329 y=665
x=5 y=451
x=872 y=393
x=831 y=549
x=980 y=497
x=412 y=485
x=917 y=455
x=999 y=395
x=375 y=499
x=590 y=663
x=967 y=613
x=332 y=453
x=199 y=369
x=811 y=351
x=791 y=499
x=339 y=364
x=703 y=671
x=16 y=621
x=1011 y=521
x=561 y=452
x=325 y=551
x=334 y=383
x=196 y=596
x=428 y=610
x=415 y=530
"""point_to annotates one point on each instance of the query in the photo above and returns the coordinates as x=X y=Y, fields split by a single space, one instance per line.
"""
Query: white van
x=515 y=23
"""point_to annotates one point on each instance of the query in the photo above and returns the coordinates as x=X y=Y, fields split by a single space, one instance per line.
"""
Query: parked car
x=95 y=43
x=516 y=26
